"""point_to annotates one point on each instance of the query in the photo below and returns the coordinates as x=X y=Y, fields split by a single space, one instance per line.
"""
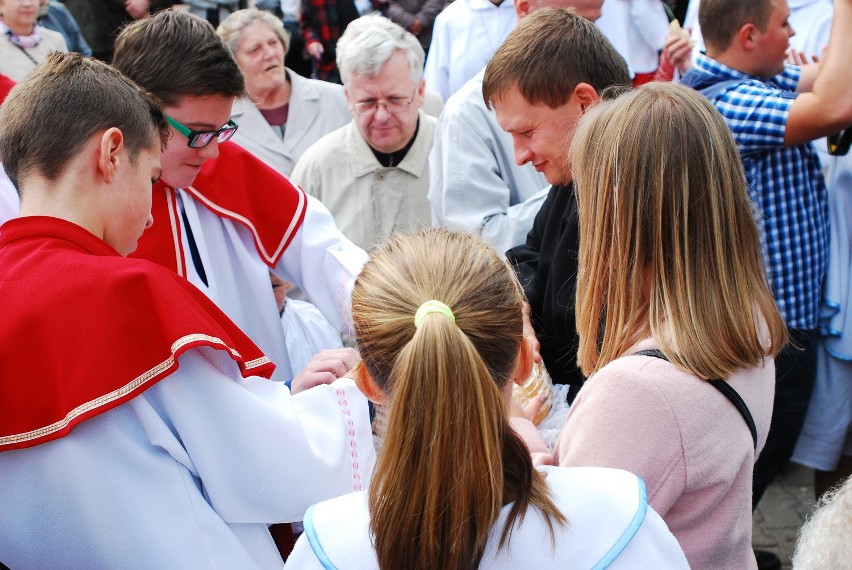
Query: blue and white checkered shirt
x=785 y=183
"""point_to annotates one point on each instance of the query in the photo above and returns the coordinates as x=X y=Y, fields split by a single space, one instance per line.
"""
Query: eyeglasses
x=391 y=104
x=200 y=139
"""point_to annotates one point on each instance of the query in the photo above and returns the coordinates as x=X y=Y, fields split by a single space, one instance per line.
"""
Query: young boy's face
x=181 y=164
x=130 y=207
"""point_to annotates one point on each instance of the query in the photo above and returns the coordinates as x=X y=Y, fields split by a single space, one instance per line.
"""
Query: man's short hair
x=174 y=53
x=548 y=54
x=370 y=41
x=50 y=116
x=721 y=19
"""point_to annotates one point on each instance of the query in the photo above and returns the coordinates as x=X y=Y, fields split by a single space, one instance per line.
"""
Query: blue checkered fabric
x=785 y=183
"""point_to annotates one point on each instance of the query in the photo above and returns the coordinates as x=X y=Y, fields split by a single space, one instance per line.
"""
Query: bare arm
x=827 y=108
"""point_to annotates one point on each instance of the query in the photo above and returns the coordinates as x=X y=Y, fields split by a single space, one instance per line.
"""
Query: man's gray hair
x=370 y=41
x=825 y=540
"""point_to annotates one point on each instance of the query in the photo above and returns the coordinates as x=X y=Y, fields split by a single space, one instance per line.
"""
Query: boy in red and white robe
x=139 y=427
x=223 y=219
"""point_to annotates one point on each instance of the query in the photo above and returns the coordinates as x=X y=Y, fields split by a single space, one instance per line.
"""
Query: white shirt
x=475 y=184
x=465 y=36
x=608 y=520
x=186 y=475
x=637 y=30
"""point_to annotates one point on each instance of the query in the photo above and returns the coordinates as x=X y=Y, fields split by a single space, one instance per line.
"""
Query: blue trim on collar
x=628 y=533
x=313 y=539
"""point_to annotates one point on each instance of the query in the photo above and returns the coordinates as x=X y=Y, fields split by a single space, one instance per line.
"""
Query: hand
x=528 y=412
x=678 y=50
x=529 y=335
x=797 y=57
x=315 y=50
x=416 y=27
x=137 y=8
x=324 y=368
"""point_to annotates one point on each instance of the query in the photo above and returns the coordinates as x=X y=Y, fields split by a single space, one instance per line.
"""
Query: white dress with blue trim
x=610 y=525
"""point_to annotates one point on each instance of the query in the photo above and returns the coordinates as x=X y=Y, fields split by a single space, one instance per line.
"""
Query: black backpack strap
x=726 y=389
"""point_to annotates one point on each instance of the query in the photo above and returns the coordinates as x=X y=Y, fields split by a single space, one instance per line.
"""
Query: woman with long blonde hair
x=675 y=316
x=438 y=321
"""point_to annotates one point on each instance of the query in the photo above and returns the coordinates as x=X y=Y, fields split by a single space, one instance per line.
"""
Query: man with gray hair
x=372 y=174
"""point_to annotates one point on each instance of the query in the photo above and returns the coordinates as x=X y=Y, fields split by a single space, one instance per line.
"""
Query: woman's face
x=260 y=56
x=19 y=15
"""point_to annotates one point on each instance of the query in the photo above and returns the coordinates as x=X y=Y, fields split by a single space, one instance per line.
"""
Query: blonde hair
x=669 y=245
x=450 y=460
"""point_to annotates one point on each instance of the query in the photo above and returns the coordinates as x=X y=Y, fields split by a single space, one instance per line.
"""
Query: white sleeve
x=303 y=556
x=436 y=73
x=475 y=185
x=650 y=20
x=323 y=263
x=260 y=454
x=653 y=546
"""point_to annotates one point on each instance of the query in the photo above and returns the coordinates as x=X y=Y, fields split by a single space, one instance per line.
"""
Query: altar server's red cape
x=236 y=186
x=84 y=329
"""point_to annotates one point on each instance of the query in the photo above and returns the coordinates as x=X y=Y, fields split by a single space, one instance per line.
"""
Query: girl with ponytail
x=438 y=321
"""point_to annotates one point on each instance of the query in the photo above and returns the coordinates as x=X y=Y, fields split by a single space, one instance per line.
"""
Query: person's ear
x=524 y=366
x=420 y=98
x=522 y=8
x=585 y=95
x=745 y=36
x=367 y=385
x=109 y=149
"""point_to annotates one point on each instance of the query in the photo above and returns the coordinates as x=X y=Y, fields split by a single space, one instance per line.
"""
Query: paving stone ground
x=782 y=511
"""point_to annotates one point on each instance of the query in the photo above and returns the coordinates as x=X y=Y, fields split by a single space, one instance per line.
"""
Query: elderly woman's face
x=260 y=56
x=19 y=15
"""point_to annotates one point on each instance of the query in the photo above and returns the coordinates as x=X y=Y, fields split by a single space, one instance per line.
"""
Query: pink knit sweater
x=687 y=441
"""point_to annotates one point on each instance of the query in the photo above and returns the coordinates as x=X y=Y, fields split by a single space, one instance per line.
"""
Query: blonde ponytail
x=450 y=461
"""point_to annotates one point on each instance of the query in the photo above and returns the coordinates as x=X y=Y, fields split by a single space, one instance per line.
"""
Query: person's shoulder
x=328 y=146
x=600 y=485
x=467 y=99
x=55 y=40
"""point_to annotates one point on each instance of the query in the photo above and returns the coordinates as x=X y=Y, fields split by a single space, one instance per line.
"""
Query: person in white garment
x=438 y=317
x=475 y=183
x=825 y=444
x=139 y=426
x=373 y=174
x=464 y=37
x=637 y=29
x=223 y=218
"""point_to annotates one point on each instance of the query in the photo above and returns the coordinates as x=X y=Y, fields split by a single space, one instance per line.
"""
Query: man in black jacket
x=538 y=103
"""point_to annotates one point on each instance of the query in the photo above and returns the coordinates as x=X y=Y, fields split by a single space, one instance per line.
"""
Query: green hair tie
x=432 y=306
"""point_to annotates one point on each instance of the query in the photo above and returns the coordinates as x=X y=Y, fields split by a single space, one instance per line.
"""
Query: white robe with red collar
x=246 y=220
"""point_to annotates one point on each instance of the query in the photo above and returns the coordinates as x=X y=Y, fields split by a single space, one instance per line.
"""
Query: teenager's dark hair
x=175 y=53
x=56 y=109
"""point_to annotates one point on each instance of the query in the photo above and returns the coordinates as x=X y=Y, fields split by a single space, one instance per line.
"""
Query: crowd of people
x=270 y=297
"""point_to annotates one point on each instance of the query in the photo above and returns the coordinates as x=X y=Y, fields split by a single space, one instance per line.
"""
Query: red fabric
x=6 y=85
x=84 y=329
x=236 y=186
x=643 y=78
